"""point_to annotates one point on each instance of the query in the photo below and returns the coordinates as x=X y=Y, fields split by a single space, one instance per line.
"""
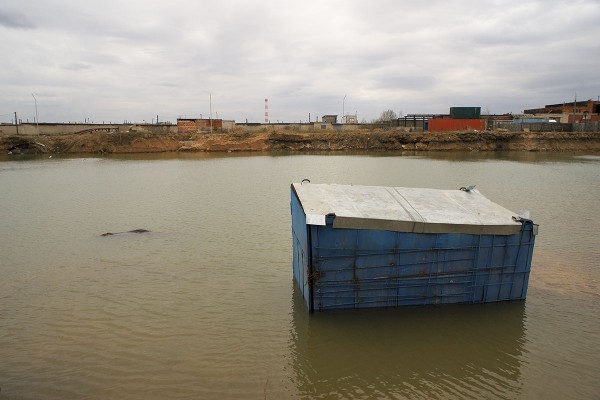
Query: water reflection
x=426 y=352
x=458 y=156
x=202 y=307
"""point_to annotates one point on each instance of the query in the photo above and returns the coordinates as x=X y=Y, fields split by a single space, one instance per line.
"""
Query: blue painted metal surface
x=531 y=120
x=337 y=268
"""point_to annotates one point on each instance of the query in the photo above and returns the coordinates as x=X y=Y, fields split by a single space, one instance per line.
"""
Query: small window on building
x=323 y=126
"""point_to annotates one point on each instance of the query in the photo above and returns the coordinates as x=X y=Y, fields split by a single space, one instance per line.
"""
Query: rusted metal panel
x=456 y=124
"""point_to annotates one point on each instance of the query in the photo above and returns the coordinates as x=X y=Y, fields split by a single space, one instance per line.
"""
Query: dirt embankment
x=359 y=140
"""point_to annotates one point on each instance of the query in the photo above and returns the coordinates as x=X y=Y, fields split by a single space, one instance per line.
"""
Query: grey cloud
x=15 y=20
x=169 y=84
x=401 y=81
x=304 y=56
x=99 y=57
x=75 y=66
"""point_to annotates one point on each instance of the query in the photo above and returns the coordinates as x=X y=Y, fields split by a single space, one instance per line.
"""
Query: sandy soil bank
x=361 y=140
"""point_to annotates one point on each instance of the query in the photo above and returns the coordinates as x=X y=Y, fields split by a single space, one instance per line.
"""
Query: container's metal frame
x=333 y=273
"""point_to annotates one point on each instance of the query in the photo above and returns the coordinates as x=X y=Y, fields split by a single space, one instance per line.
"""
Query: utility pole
x=37 y=122
x=16 y=123
x=343 y=108
x=266 y=111
x=210 y=110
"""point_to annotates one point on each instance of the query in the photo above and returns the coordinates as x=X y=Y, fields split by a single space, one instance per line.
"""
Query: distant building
x=331 y=119
x=323 y=125
x=576 y=111
x=349 y=119
x=589 y=106
x=194 y=125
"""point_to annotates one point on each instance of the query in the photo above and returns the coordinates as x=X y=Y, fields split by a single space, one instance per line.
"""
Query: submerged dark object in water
x=132 y=231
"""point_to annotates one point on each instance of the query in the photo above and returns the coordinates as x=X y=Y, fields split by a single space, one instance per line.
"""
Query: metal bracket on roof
x=329 y=218
x=526 y=221
x=467 y=189
x=522 y=216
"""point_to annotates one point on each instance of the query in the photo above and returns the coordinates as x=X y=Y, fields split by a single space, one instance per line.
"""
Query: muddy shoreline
x=360 y=140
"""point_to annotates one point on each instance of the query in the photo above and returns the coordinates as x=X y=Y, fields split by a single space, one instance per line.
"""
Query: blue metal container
x=367 y=246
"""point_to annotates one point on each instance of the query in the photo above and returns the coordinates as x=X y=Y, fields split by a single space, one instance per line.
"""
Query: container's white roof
x=404 y=209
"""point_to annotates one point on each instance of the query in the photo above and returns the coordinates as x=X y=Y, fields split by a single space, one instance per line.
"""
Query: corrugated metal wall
x=455 y=124
x=535 y=127
x=364 y=268
x=369 y=268
x=465 y=112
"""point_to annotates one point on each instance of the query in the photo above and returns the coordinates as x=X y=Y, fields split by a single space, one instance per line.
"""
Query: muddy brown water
x=204 y=305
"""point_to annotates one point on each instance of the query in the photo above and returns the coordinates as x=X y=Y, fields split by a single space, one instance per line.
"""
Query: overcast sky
x=115 y=60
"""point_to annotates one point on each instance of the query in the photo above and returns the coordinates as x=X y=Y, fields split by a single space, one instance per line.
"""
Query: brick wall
x=198 y=125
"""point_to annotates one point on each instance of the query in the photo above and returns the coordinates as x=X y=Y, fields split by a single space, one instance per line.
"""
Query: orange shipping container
x=453 y=124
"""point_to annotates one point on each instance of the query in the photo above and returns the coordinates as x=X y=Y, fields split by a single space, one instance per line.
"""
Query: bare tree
x=387 y=115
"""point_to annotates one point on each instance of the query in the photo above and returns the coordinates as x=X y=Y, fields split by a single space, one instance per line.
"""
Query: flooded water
x=204 y=305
